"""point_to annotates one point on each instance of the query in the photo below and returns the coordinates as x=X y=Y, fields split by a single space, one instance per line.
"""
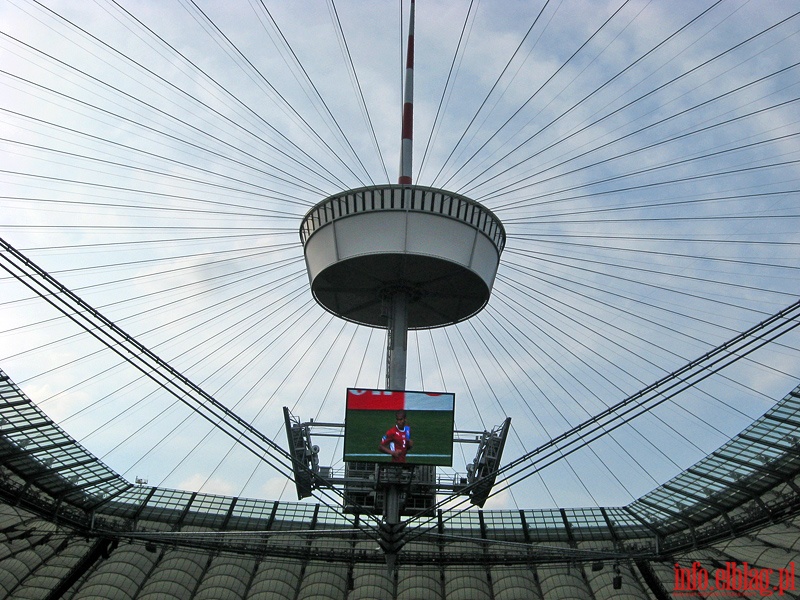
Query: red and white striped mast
x=397 y=342
x=397 y=339
x=408 y=107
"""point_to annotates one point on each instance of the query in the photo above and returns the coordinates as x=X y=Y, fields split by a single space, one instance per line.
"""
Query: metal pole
x=408 y=106
x=397 y=350
x=397 y=342
x=396 y=380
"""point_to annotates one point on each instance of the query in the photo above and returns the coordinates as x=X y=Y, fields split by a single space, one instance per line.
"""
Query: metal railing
x=404 y=198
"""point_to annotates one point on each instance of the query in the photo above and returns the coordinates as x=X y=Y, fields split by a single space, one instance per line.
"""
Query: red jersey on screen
x=397 y=439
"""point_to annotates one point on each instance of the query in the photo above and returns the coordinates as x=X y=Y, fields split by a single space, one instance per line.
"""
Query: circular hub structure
x=439 y=248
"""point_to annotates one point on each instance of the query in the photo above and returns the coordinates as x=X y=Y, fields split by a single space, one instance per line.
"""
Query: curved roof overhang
x=746 y=483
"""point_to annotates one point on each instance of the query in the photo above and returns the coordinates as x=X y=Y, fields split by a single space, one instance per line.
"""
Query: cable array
x=158 y=164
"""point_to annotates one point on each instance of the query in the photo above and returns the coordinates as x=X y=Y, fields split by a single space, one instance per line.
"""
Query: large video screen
x=414 y=428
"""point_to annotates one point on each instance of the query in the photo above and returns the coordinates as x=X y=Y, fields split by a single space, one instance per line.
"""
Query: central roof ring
x=443 y=248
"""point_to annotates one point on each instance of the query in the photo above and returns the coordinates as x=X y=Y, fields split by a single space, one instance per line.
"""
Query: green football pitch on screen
x=431 y=434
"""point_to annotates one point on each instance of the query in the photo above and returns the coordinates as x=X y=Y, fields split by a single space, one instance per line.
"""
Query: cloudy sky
x=643 y=156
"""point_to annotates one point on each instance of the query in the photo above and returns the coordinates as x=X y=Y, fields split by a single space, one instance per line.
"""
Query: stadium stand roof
x=70 y=523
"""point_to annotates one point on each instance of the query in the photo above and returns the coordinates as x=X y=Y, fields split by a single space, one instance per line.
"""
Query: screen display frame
x=370 y=417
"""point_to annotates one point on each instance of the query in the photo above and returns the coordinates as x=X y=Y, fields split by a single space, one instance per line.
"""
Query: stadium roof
x=727 y=494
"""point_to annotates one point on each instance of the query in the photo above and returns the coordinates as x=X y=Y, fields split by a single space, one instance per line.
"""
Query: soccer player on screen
x=397 y=441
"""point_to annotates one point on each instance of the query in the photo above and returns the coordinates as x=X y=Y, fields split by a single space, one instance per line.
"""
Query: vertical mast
x=397 y=338
x=408 y=107
x=397 y=334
